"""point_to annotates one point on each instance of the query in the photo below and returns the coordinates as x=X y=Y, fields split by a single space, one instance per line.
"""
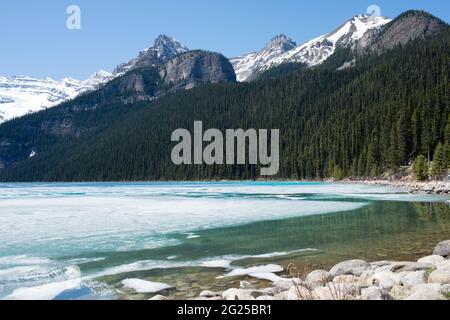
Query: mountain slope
x=92 y=112
x=376 y=116
x=408 y=26
x=311 y=53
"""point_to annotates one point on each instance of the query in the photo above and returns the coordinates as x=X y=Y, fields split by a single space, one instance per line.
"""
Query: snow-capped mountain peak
x=312 y=52
x=164 y=48
x=167 y=47
x=101 y=74
x=248 y=65
x=281 y=41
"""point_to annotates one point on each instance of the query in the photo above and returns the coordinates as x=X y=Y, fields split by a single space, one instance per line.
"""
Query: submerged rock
x=246 y=285
x=209 y=294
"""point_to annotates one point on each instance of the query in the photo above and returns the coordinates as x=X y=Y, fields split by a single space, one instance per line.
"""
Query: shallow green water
x=382 y=230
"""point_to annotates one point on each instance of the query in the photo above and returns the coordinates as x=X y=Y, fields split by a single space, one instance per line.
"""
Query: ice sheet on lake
x=74 y=224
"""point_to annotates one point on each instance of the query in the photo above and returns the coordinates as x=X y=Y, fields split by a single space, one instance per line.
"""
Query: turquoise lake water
x=80 y=241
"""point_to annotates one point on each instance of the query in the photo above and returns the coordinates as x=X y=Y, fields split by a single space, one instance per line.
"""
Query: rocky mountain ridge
x=282 y=49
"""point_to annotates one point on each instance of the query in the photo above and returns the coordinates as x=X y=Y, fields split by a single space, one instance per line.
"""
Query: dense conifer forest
x=388 y=111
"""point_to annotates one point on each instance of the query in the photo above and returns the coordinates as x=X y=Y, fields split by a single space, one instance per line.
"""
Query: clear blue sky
x=34 y=39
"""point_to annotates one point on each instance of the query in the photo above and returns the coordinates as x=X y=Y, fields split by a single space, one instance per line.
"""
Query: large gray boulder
x=336 y=291
x=295 y=293
x=352 y=267
x=346 y=279
x=412 y=279
x=431 y=291
x=317 y=278
x=399 y=292
x=442 y=249
x=443 y=265
x=434 y=259
x=405 y=266
x=386 y=279
x=441 y=276
x=375 y=293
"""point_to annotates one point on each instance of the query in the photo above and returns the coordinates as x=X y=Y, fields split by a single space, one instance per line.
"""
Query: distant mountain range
x=21 y=95
x=282 y=49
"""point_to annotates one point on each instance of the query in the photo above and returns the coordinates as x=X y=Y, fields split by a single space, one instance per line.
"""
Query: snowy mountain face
x=311 y=53
x=20 y=95
x=248 y=65
x=163 y=49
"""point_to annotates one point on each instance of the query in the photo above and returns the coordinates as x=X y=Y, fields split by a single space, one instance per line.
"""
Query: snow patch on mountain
x=20 y=95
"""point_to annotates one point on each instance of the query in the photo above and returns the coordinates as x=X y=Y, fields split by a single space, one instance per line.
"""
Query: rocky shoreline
x=425 y=279
x=411 y=186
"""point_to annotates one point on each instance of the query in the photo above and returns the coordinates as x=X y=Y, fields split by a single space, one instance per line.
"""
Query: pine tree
x=420 y=168
x=439 y=166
